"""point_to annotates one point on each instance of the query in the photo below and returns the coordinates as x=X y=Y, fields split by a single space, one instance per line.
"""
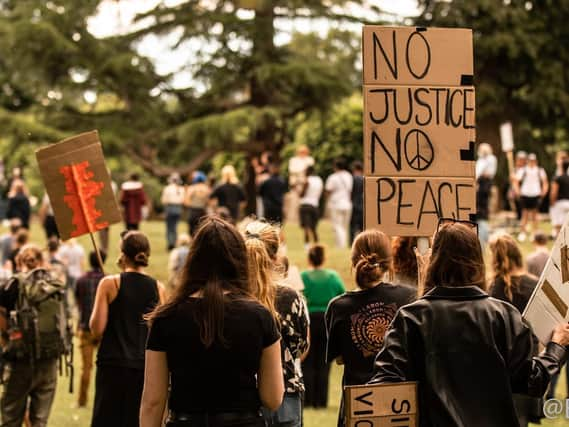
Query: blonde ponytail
x=262 y=243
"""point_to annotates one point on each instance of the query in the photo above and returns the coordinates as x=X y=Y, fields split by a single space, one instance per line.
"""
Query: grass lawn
x=66 y=414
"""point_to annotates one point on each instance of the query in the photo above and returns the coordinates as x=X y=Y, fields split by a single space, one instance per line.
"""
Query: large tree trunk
x=263 y=53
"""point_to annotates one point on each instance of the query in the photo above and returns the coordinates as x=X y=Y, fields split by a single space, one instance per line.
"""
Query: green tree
x=332 y=134
x=254 y=88
x=521 y=56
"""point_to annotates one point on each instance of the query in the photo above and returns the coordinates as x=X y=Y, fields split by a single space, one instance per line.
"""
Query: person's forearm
x=151 y=415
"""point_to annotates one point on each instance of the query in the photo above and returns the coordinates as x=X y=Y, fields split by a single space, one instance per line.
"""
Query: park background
x=177 y=85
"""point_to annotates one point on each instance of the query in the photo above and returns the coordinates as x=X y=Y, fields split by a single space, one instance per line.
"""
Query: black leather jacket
x=469 y=352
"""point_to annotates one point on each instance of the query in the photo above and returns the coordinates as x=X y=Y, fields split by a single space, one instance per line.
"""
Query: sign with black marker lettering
x=382 y=405
x=417 y=56
x=419 y=128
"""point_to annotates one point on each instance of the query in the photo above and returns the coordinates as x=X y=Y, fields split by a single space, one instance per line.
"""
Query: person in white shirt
x=72 y=255
x=339 y=191
x=173 y=201
x=486 y=164
x=531 y=186
x=309 y=210
x=297 y=167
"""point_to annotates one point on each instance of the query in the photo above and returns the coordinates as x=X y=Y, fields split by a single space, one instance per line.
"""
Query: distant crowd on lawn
x=240 y=337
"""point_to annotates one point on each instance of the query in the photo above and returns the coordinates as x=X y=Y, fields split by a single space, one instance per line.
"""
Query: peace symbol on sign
x=419 y=151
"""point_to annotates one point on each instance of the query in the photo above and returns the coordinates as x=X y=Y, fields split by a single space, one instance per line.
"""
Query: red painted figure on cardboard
x=81 y=193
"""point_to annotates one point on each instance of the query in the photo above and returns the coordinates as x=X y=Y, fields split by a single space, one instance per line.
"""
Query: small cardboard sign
x=417 y=56
x=507 y=137
x=549 y=304
x=419 y=131
x=412 y=206
x=382 y=405
x=78 y=184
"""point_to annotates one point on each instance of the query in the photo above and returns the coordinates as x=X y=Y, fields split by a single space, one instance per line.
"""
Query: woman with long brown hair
x=356 y=321
x=511 y=282
x=467 y=351
x=121 y=301
x=514 y=285
x=288 y=308
x=217 y=346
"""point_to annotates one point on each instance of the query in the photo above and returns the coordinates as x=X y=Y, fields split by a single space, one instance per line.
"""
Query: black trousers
x=118 y=392
x=315 y=369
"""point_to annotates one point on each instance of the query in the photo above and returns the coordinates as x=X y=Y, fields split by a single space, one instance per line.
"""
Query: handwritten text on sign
x=382 y=405
x=419 y=128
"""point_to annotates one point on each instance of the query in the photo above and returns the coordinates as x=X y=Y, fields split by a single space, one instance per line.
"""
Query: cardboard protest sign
x=382 y=405
x=417 y=56
x=549 y=304
x=412 y=206
x=419 y=131
x=78 y=184
x=419 y=128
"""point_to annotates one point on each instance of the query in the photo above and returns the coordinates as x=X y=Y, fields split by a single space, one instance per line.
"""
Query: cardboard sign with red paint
x=78 y=184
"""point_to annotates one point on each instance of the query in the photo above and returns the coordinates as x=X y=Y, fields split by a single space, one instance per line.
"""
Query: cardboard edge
x=76 y=141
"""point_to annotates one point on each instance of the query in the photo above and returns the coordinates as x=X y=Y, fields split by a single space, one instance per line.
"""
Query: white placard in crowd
x=507 y=137
x=549 y=303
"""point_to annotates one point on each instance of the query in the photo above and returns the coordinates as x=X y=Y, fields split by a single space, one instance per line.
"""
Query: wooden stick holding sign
x=382 y=405
x=507 y=139
x=78 y=184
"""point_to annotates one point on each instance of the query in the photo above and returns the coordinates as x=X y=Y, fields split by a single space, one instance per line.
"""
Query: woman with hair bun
x=356 y=322
x=120 y=304
x=321 y=285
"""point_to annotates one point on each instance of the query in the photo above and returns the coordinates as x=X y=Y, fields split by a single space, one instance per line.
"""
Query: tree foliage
x=521 y=57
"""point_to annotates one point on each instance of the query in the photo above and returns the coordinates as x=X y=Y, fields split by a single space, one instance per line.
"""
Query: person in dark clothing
x=121 y=301
x=321 y=285
x=467 y=351
x=216 y=346
x=559 y=198
x=512 y=284
x=229 y=193
x=357 y=220
x=21 y=239
x=356 y=321
x=272 y=192
x=19 y=204
x=85 y=291
x=132 y=198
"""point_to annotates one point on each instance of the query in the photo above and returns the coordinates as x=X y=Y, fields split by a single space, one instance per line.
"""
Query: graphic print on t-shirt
x=368 y=326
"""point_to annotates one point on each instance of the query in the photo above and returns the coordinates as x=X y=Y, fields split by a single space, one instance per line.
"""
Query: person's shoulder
x=285 y=291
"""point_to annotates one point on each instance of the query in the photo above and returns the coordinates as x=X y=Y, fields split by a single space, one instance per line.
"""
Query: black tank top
x=124 y=339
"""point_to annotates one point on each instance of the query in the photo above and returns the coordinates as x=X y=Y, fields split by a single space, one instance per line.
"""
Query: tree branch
x=158 y=170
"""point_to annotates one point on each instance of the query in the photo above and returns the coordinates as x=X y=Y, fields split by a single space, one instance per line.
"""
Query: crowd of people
x=236 y=339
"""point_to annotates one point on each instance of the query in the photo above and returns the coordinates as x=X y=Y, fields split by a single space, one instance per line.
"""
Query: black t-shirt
x=563 y=182
x=357 y=322
x=9 y=295
x=272 y=192
x=523 y=287
x=229 y=196
x=215 y=379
